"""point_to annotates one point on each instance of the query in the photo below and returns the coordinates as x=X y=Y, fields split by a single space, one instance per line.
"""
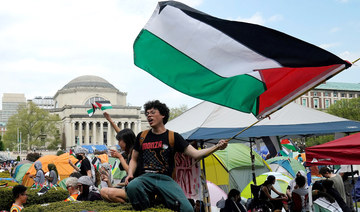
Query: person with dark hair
x=232 y=203
x=85 y=165
x=338 y=182
x=20 y=196
x=275 y=204
x=199 y=206
x=300 y=201
x=87 y=190
x=53 y=175
x=154 y=152
x=328 y=187
x=126 y=139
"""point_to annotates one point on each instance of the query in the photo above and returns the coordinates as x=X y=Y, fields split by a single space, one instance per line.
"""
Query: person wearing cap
x=72 y=187
x=87 y=190
x=85 y=167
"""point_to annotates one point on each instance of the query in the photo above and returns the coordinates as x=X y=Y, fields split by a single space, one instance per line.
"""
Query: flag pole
x=356 y=60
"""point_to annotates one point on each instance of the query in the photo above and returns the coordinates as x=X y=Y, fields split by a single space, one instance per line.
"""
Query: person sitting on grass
x=72 y=187
x=87 y=190
x=20 y=195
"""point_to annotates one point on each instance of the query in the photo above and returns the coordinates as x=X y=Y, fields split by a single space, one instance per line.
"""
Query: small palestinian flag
x=92 y=110
x=288 y=144
x=103 y=105
x=72 y=153
x=114 y=167
x=96 y=163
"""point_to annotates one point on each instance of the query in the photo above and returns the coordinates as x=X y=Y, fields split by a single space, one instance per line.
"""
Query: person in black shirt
x=155 y=155
x=85 y=166
x=232 y=203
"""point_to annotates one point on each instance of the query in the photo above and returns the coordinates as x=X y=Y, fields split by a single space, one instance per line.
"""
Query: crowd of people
x=148 y=160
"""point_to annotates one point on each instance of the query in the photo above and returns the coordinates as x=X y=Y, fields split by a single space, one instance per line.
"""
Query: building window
x=326 y=94
x=335 y=94
x=89 y=139
x=316 y=103
x=93 y=100
x=315 y=93
x=303 y=102
x=343 y=94
x=351 y=95
x=327 y=103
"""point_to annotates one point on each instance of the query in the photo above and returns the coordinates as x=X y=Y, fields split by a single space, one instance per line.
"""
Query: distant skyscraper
x=10 y=105
x=44 y=103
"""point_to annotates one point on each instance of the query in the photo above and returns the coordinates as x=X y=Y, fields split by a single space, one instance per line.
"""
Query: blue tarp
x=92 y=148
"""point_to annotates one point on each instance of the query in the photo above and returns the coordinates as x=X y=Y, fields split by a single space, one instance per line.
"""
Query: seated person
x=19 y=193
x=72 y=187
x=328 y=188
x=276 y=204
x=300 y=201
x=232 y=203
x=87 y=190
x=106 y=175
x=292 y=183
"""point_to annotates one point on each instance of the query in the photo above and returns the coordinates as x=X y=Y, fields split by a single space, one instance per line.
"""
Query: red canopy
x=342 y=151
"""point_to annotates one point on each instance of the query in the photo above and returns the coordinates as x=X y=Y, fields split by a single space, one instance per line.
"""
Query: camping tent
x=342 y=151
x=210 y=121
x=281 y=184
x=285 y=165
x=232 y=166
x=61 y=162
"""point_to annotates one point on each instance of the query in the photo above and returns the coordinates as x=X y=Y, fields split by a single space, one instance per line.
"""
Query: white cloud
x=45 y=44
x=328 y=46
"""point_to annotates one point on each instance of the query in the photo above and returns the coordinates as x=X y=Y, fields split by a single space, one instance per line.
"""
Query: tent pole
x=252 y=156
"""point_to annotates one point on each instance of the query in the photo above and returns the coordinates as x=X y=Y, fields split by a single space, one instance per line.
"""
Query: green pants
x=148 y=184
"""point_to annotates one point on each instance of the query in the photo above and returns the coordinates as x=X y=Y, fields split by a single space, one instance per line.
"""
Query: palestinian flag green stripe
x=188 y=76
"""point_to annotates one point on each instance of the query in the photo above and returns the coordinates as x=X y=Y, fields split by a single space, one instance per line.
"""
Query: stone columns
x=86 y=133
x=94 y=140
x=101 y=133
x=72 y=135
x=80 y=133
x=109 y=129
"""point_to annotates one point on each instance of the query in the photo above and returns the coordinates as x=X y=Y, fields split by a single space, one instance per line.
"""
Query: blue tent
x=92 y=148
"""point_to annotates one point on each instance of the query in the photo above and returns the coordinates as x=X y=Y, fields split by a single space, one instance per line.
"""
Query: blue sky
x=45 y=44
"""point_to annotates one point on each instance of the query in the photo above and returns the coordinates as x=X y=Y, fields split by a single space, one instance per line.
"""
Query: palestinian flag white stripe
x=239 y=65
x=103 y=105
x=193 y=37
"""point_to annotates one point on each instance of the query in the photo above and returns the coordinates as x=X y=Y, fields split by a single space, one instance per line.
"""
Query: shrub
x=5 y=174
x=33 y=156
x=60 y=152
x=99 y=206
x=53 y=195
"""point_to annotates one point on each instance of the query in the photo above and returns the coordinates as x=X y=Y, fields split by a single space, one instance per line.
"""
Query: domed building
x=75 y=98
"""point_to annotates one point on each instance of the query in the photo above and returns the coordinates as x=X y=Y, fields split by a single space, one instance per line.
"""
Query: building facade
x=74 y=99
x=10 y=104
x=46 y=102
x=326 y=94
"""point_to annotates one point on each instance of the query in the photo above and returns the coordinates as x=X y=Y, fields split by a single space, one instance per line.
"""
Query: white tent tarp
x=210 y=121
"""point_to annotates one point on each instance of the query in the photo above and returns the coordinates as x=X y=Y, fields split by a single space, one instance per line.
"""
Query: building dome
x=88 y=81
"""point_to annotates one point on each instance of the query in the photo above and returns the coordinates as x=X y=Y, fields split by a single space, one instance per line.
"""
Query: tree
x=177 y=111
x=1 y=144
x=37 y=127
x=346 y=108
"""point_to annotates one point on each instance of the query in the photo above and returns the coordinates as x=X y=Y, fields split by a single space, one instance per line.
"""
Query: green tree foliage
x=33 y=156
x=316 y=140
x=37 y=127
x=1 y=144
x=346 y=108
x=177 y=111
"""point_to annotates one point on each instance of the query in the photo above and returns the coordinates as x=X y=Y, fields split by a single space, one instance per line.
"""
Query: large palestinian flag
x=243 y=66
